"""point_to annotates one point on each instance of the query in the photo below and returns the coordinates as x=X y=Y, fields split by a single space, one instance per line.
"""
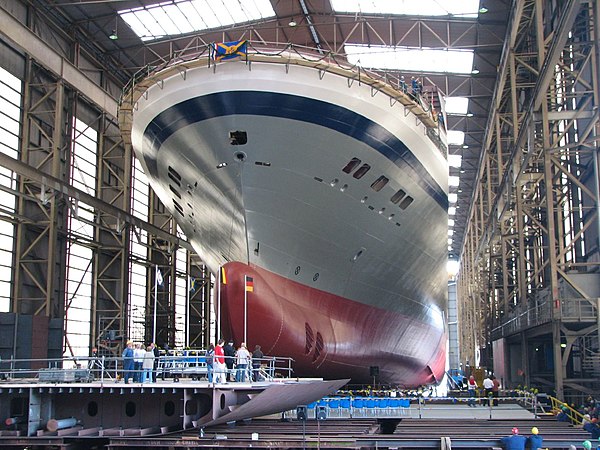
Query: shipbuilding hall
x=292 y=223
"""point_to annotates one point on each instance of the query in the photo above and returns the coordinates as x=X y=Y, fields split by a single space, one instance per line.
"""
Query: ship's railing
x=417 y=100
x=171 y=366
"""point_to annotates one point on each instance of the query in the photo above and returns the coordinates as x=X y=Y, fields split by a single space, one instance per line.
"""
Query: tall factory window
x=78 y=289
x=10 y=130
x=181 y=294
x=139 y=254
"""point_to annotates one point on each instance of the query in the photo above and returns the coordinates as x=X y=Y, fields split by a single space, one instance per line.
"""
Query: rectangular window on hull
x=362 y=171
x=406 y=202
x=353 y=164
x=397 y=196
x=175 y=191
x=174 y=175
x=379 y=183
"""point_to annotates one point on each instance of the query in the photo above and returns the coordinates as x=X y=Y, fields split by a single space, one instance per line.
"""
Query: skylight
x=450 y=222
x=455 y=161
x=456 y=137
x=185 y=16
x=463 y=8
x=457 y=105
x=410 y=59
x=453 y=197
x=453 y=181
x=452 y=210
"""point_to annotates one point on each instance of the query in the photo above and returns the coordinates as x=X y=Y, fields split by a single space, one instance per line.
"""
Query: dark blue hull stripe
x=293 y=107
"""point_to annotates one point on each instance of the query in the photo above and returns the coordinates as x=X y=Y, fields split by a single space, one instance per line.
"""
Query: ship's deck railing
x=175 y=365
x=418 y=103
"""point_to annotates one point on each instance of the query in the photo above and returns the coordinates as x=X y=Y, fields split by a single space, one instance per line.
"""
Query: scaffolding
x=529 y=279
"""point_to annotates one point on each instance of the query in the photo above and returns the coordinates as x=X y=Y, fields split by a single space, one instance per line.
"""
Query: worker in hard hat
x=534 y=442
x=515 y=441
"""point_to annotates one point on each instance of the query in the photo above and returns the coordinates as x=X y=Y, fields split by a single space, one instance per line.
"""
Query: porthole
x=169 y=408
x=130 y=409
x=240 y=156
x=191 y=407
x=92 y=408
x=222 y=401
x=358 y=254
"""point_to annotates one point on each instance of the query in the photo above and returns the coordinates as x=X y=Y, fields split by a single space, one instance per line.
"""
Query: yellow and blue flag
x=229 y=50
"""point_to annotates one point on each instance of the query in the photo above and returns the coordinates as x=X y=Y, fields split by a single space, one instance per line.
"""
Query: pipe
x=59 y=424
x=13 y=421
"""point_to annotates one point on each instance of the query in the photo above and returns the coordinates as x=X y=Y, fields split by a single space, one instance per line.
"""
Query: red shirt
x=219 y=355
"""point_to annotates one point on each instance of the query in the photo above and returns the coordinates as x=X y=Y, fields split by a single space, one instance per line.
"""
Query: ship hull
x=327 y=334
x=338 y=265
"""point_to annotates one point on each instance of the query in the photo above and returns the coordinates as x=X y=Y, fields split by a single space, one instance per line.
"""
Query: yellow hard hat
x=534 y=430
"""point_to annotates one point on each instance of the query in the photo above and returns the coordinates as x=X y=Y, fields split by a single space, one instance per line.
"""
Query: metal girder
x=532 y=243
x=37 y=283
x=62 y=188
x=45 y=55
x=111 y=262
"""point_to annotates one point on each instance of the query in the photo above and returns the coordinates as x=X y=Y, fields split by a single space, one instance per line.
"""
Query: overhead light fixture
x=483 y=9
x=292 y=23
x=462 y=171
x=475 y=71
x=113 y=36
x=465 y=146
x=469 y=114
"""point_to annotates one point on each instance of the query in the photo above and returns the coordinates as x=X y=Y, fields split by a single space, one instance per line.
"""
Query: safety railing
x=415 y=97
x=417 y=407
x=171 y=366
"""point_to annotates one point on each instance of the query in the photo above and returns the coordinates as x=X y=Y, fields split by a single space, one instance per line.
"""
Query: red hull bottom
x=329 y=336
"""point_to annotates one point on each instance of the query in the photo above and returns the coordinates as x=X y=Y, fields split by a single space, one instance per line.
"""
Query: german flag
x=249 y=284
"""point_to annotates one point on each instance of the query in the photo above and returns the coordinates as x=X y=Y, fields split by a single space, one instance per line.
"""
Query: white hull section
x=282 y=201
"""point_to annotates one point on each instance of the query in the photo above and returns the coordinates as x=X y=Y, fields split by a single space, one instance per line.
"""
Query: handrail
x=288 y=54
x=174 y=365
x=574 y=416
